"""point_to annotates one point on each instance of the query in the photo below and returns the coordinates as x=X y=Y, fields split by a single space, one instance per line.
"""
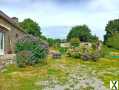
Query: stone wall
x=15 y=34
x=7 y=59
x=12 y=34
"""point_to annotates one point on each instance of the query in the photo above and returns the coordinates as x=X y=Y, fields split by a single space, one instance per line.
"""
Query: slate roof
x=10 y=21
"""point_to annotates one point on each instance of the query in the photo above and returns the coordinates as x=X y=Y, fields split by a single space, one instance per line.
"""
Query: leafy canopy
x=31 y=27
x=82 y=32
x=111 y=38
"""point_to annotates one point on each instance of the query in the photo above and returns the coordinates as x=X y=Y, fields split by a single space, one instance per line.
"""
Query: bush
x=84 y=53
x=113 y=41
x=96 y=55
x=75 y=42
x=30 y=50
x=87 y=56
x=23 y=58
x=62 y=50
x=106 y=51
x=91 y=53
x=73 y=52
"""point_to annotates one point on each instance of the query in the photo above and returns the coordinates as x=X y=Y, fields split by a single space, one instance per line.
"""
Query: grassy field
x=31 y=78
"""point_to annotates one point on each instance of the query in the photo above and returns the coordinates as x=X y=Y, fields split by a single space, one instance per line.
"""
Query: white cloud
x=9 y=1
x=95 y=13
x=103 y=5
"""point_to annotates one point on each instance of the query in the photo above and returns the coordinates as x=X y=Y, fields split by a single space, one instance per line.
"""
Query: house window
x=1 y=43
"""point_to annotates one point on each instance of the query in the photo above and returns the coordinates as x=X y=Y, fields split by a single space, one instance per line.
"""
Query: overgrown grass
x=14 y=78
x=106 y=69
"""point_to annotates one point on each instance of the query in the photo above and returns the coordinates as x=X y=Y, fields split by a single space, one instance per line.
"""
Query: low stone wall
x=7 y=59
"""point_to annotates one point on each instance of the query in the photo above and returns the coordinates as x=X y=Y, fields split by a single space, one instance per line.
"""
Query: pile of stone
x=78 y=78
x=55 y=54
x=7 y=59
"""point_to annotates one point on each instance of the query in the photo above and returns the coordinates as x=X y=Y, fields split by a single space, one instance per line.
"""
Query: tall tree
x=112 y=34
x=31 y=27
x=82 y=32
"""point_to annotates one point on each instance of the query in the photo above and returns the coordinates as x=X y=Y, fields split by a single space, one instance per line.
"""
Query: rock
x=2 y=66
x=79 y=78
x=8 y=59
x=56 y=55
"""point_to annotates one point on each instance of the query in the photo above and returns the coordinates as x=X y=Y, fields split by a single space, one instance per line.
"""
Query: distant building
x=65 y=44
x=86 y=44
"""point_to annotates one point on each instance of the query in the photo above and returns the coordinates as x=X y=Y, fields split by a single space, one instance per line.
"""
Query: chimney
x=15 y=19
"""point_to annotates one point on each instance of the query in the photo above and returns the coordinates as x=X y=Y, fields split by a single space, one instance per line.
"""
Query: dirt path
x=79 y=78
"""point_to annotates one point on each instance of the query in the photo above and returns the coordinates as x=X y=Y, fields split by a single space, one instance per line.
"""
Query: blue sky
x=56 y=17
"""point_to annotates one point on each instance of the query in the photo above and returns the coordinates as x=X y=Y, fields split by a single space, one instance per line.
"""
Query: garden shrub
x=95 y=56
x=30 y=50
x=62 y=50
x=90 y=53
x=84 y=53
x=90 y=56
x=113 y=41
x=75 y=42
x=73 y=52
x=23 y=58
x=106 y=51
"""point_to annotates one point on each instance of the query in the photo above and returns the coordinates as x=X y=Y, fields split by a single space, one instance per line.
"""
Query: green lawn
x=14 y=78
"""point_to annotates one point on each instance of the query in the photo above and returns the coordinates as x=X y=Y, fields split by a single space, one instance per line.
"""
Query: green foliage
x=74 y=52
x=75 y=41
x=62 y=50
x=82 y=32
x=31 y=27
x=90 y=53
x=43 y=37
x=105 y=51
x=112 y=34
x=30 y=51
x=113 y=41
x=53 y=42
x=23 y=58
x=93 y=39
x=85 y=53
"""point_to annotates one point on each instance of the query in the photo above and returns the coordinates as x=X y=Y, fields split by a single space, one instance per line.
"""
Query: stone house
x=10 y=32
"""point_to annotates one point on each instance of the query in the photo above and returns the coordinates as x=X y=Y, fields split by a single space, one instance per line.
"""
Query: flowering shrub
x=88 y=56
x=73 y=52
x=84 y=53
x=30 y=50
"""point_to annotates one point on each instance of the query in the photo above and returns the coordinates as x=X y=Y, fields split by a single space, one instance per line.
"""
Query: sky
x=56 y=17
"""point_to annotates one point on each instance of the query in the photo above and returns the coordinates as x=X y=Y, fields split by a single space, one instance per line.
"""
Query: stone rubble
x=80 y=78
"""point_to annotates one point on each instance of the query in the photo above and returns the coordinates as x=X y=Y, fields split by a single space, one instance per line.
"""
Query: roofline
x=9 y=20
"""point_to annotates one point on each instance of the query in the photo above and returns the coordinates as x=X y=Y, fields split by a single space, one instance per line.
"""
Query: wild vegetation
x=83 y=33
x=30 y=50
x=86 y=64
x=65 y=72
x=31 y=27
x=112 y=34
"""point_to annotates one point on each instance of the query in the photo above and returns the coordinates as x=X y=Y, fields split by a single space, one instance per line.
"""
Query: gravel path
x=79 y=78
